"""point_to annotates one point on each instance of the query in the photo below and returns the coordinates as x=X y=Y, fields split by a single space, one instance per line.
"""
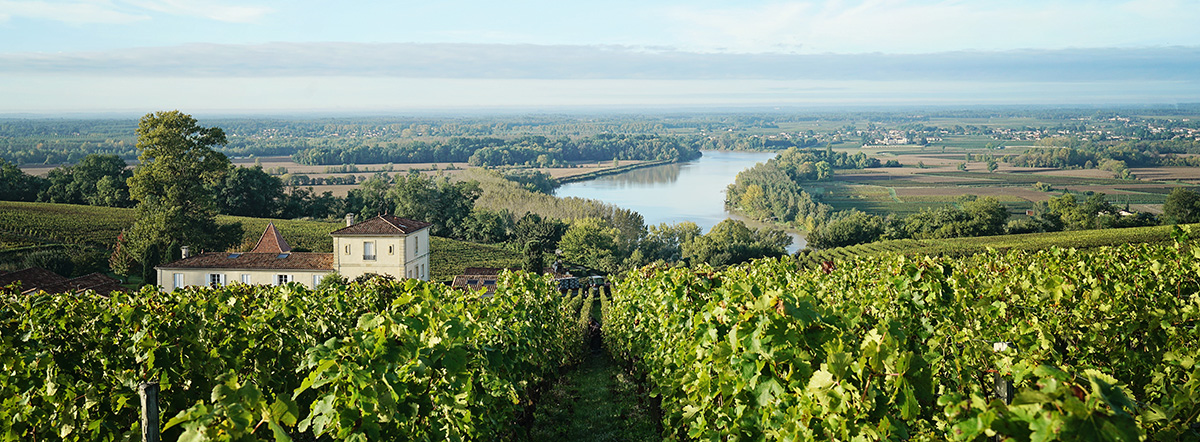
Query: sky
x=268 y=56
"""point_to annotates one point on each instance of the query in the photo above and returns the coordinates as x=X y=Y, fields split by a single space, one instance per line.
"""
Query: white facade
x=171 y=279
x=404 y=256
x=384 y=245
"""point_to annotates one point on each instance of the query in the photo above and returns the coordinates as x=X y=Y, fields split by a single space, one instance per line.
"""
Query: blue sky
x=142 y=55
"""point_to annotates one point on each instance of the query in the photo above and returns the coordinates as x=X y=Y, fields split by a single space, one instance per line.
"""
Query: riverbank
x=676 y=192
x=610 y=171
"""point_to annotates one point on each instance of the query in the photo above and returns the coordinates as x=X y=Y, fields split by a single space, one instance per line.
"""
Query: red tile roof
x=99 y=283
x=271 y=242
x=31 y=277
x=383 y=225
x=35 y=279
x=255 y=261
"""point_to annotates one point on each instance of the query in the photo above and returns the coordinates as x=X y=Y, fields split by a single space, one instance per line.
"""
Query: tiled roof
x=31 y=277
x=271 y=242
x=255 y=261
x=476 y=282
x=383 y=225
x=35 y=279
x=96 y=282
x=493 y=271
x=485 y=270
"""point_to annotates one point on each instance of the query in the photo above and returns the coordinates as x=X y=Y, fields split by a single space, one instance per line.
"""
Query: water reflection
x=672 y=193
x=650 y=176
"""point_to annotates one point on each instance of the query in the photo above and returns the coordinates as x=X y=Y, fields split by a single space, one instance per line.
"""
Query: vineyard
x=1048 y=345
x=36 y=226
x=1005 y=344
x=380 y=360
x=1077 y=239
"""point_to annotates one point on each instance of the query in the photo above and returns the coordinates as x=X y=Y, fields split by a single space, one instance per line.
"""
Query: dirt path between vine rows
x=596 y=401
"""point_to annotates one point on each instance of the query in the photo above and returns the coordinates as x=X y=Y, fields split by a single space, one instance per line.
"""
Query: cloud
x=123 y=12
x=895 y=26
x=75 y=12
x=495 y=61
x=205 y=9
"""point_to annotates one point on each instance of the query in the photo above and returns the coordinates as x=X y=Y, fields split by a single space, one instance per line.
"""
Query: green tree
x=1182 y=206
x=731 y=242
x=547 y=232
x=847 y=229
x=487 y=226
x=988 y=216
x=591 y=243
x=445 y=204
x=665 y=241
x=98 y=180
x=176 y=162
x=371 y=197
x=533 y=262
x=16 y=185
x=249 y=192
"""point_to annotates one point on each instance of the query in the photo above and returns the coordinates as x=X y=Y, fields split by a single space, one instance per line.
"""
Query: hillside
x=1078 y=239
x=41 y=226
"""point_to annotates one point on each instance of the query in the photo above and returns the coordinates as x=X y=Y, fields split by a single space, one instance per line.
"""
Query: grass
x=31 y=225
x=597 y=401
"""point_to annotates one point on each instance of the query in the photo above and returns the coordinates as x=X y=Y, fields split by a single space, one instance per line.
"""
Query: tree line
x=973 y=216
x=490 y=151
x=1077 y=153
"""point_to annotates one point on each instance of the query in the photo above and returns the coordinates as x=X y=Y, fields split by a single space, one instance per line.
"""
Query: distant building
x=36 y=279
x=484 y=278
x=385 y=245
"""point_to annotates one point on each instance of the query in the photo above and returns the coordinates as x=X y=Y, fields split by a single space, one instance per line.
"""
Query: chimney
x=349 y=219
x=185 y=252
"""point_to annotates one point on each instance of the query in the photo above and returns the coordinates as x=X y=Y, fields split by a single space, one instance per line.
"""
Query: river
x=672 y=193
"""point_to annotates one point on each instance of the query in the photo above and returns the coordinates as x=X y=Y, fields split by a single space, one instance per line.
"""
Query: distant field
x=26 y=225
x=908 y=189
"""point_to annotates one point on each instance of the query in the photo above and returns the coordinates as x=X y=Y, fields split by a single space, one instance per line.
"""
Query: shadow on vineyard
x=596 y=401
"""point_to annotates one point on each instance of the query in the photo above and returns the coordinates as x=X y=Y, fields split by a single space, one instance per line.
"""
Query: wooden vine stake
x=149 y=394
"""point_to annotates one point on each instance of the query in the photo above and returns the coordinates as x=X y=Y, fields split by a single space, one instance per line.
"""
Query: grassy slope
x=32 y=224
x=1084 y=239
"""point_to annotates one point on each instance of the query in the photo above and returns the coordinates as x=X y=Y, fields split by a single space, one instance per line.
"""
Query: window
x=391 y=249
x=216 y=279
x=410 y=273
x=245 y=278
x=317 y=280
x=347 y=249
x=178 y=280
x=417 y=245
x=282 y=279
x=422 y=273
x=368 y=251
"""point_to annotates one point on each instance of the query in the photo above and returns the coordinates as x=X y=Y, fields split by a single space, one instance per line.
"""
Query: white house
x=386 y=245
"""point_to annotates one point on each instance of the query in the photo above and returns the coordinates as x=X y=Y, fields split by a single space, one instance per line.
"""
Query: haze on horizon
x=267 y=55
